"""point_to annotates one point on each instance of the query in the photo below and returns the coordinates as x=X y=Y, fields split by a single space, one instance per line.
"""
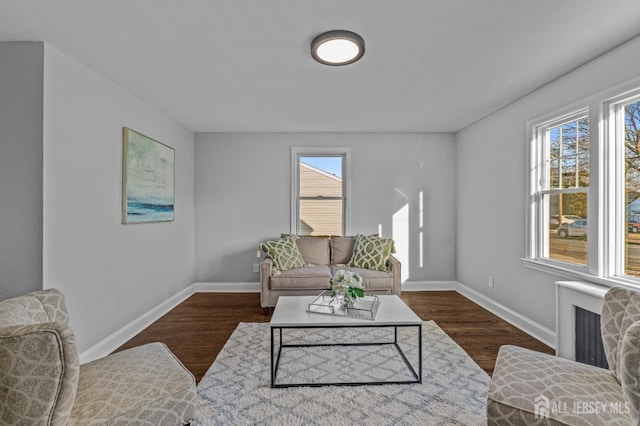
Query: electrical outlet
x=491 y=282
x=256 y=267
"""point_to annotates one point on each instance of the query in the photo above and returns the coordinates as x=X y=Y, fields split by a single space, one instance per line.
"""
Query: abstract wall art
x=148 y=179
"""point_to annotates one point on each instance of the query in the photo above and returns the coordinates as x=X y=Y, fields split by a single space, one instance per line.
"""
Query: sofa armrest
x=395 y=267
x=48 y=352
x=266 y=268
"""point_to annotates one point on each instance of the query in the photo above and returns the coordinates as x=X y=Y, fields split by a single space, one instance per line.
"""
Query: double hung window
x=583 y=198
x=319 y=191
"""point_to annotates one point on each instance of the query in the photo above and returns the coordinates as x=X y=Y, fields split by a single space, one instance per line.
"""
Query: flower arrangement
x=348 y=285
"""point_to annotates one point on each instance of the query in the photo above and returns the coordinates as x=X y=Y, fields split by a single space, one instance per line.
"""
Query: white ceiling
x=244 y=65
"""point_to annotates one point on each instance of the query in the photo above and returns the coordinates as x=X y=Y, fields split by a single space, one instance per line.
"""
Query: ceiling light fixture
x=338 y=47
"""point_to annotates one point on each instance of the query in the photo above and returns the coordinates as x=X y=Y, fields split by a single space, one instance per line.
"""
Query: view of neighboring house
x=320 y=216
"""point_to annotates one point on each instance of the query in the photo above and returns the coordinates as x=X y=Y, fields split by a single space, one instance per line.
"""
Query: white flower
x=344 y=281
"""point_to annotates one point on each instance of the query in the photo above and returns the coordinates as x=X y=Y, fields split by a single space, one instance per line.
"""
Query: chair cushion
x=145 y=385
x=308 y=277
x=630 y=367
x=39 y=364
x=573 y=393
x=38 y=374
x=34 y=308
x=620 y=310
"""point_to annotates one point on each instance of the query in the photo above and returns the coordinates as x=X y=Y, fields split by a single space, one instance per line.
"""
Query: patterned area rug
x=237 y=389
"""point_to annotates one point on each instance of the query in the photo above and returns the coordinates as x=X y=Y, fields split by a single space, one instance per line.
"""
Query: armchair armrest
x=39 y=356
x=266 y=268
x=395 y=267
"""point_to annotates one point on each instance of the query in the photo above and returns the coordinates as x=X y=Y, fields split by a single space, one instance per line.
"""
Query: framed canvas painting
x=148 y=177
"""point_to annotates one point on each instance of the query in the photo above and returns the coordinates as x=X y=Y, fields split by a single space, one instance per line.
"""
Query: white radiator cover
x=570 y=294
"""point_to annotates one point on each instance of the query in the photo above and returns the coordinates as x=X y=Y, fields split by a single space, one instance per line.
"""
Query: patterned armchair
x=42 y=383
x=531 y=388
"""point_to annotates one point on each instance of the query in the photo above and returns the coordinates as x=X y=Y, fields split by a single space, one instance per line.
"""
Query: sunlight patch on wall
x=421 y=233
x=400 y=231
x=420 y=249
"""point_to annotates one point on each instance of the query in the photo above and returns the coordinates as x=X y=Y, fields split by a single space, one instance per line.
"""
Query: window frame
x=606 y=196
x=614 y=109
x=538 y=217
x=296 y=154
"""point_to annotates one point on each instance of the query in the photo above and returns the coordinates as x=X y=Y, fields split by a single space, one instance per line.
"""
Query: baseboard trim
x=532 y=328
x=126 y=333
x=429 y=285
x=247 y=287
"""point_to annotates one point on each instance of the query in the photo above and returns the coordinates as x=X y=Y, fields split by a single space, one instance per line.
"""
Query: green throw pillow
x=371 y=252
x=284 y=252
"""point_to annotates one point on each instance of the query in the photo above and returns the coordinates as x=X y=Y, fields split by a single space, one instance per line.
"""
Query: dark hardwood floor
x=197 y=329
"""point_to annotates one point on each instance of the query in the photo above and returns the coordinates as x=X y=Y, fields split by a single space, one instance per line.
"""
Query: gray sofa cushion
x=341 y=250
x=307 y=277
x=314 y=250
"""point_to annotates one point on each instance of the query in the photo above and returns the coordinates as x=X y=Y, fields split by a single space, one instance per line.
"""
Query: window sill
x=571 y=274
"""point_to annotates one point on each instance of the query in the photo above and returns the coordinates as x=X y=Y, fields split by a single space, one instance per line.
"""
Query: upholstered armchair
x=42 y=383
x=531 y=388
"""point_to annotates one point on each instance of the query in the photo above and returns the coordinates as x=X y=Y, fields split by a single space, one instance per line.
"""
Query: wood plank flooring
x=197 y=329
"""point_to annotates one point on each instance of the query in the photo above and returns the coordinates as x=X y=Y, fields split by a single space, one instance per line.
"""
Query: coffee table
x=291 y=313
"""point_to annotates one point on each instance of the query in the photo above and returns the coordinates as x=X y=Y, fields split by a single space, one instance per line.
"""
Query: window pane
x=582 y=152
x=567 y=227
x=632 y=189
x=321 y=176
x=568 y=160
x=554 y=173
x=320 y=196
x=569 y=172
x=569 y=139
x=320 y=217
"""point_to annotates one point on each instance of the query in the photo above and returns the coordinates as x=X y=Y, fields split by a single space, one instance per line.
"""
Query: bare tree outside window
x=566 y=194
x=632 y=188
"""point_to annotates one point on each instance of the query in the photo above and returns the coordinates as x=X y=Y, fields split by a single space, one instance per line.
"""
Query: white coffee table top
x=291 y=311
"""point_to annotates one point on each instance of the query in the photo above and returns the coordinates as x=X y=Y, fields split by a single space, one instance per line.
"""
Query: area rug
x=236 y=390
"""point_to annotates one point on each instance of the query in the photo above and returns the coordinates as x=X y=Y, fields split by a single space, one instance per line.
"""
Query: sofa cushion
x=308 y=277
x=284 y=252
x=341 y=250
x=314 y=249
x=371 y=279
x=371 y=252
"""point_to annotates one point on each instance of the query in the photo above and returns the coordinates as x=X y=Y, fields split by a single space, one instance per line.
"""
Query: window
x=563 y=191
x=583 y=202
x=319 y=191
x=626 y=116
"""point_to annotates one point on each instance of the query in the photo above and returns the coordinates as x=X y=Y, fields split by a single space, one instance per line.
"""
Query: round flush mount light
x=338 y=47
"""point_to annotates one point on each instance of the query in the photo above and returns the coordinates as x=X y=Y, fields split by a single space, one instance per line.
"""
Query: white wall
x=491 y=187
x=21 y=71
x=110 y=273
x=243 y=197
